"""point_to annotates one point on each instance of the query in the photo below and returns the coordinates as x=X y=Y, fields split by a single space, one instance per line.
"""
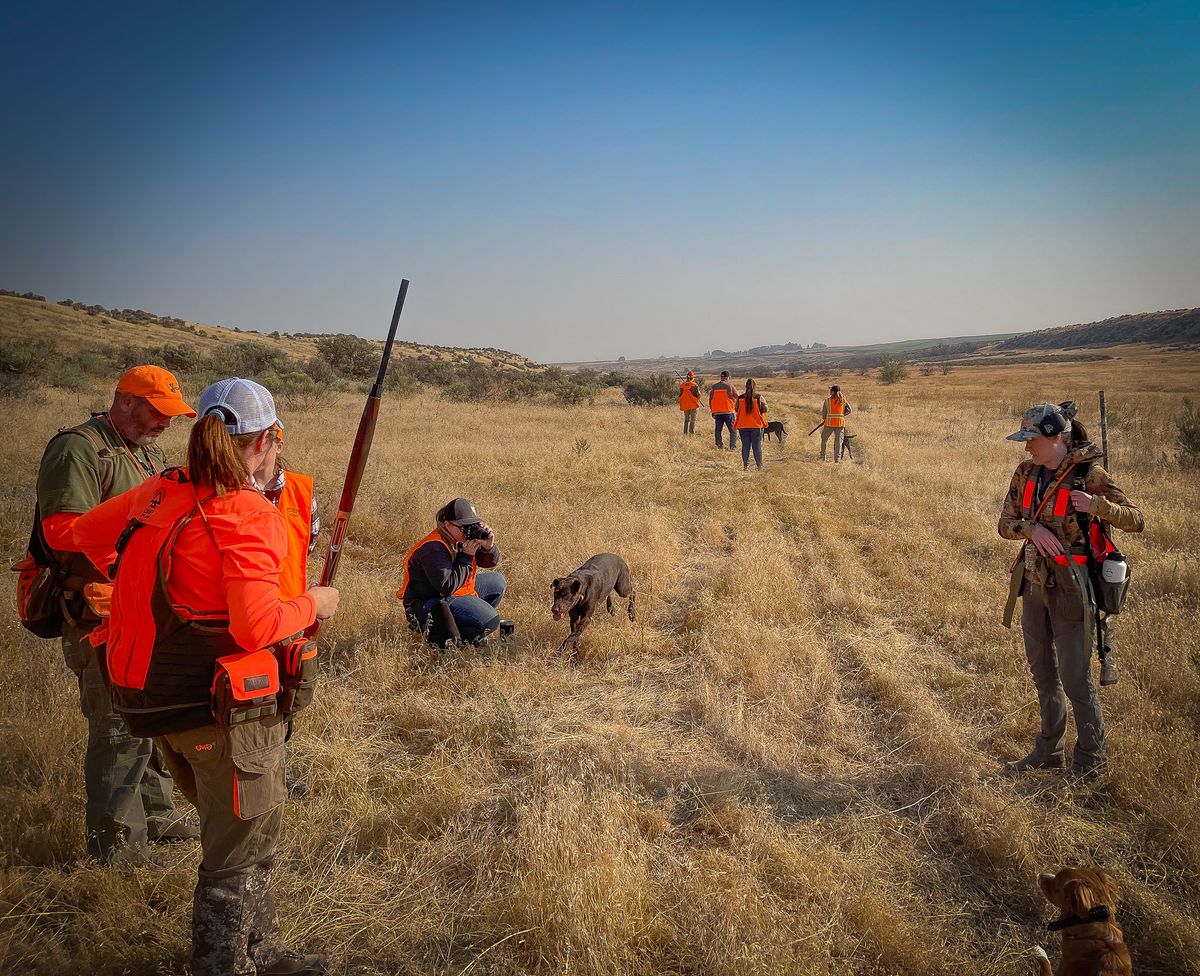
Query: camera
x=474 y=530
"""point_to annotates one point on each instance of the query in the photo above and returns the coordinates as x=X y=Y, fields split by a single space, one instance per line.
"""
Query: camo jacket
x=1109 y=505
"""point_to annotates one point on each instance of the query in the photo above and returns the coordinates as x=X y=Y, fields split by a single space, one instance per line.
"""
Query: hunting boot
x=266 y=946
x=295 y=964
x=1108 y=667
x=221 y=925
x=1035 y=760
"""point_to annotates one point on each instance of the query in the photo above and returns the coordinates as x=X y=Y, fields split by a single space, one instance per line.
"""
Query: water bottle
x=1114 y=569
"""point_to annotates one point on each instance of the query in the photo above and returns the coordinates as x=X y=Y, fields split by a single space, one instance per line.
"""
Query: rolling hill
x=1173 y=327
x=88 y=328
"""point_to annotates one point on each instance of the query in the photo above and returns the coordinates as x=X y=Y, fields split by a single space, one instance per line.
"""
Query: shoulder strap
x=106 y=464
x=1042 y=504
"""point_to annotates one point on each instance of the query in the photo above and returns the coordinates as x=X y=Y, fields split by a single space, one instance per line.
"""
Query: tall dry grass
x=789 y=764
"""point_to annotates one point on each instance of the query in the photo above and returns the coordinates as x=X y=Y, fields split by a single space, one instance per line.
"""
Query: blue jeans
x=724 y=420
x=751 y=438
x=475 y=616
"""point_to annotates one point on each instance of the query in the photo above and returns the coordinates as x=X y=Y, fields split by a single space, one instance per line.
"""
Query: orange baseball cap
x=158 y=387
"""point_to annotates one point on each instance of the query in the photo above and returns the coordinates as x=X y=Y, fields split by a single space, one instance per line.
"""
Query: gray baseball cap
x=246 y=407
x=459 y=510
x=1042 y=420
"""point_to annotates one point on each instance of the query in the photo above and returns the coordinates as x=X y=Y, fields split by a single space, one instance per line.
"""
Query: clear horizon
x=585 y=183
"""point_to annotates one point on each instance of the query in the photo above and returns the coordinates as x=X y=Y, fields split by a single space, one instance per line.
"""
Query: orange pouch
x=38 y=598
x=298 y=670
x=245 y=687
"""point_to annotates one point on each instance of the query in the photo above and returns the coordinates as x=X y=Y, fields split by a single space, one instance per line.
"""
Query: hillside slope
x=1181 y=325
x=85 y=329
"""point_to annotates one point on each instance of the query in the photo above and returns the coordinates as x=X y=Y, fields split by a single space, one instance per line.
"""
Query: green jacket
x=74 y=477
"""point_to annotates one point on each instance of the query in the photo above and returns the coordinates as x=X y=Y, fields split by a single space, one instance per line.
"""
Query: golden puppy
x=1092 y=942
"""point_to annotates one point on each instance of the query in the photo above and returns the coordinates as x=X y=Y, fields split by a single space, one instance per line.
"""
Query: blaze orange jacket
x=689 y=395
x=750 y=415
x=224 y=566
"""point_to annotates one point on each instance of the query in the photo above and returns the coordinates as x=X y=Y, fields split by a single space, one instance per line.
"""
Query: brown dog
x=1092 y=941
x=580 y=593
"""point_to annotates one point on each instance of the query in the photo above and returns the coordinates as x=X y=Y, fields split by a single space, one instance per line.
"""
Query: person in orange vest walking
x=195 y=555
x=722 y=400
x=750 y=422
x=689 y=402
x=441 y=576
x=834 y=412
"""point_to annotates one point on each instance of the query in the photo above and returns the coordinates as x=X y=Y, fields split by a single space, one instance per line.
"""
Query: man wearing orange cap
x=129 y=792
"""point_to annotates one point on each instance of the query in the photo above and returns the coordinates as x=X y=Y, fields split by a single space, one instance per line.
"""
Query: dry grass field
x=789 y=764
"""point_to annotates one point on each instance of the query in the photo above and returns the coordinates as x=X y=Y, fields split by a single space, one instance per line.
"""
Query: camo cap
x=1042 y=420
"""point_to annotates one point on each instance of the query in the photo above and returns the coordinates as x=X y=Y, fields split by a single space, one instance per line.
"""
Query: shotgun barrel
x=361 y=450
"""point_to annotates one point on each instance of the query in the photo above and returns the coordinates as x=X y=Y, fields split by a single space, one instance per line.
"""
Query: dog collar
x=1100 y=913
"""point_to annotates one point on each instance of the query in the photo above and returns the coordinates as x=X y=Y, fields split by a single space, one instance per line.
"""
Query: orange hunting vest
x=467 y=589
x=748 y=417
x=835 y=415
x=295 y=505
x=689 y=395
x=720 y=401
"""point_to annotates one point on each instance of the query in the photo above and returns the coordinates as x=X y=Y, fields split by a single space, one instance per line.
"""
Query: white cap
x=244 y=406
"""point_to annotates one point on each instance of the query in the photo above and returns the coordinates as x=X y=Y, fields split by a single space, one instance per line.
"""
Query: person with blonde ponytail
x=195 y=556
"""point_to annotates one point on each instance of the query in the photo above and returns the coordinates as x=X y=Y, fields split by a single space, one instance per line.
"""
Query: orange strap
x=1042 y=504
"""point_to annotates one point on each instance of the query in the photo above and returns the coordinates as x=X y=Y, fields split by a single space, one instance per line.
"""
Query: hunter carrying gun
x=1060 y=503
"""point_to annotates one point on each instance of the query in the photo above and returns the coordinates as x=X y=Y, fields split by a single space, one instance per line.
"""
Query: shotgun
x=297 y=656
x=360 y=451
x=815 y=429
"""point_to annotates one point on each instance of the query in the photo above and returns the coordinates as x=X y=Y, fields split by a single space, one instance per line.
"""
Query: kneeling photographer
x=444 y=595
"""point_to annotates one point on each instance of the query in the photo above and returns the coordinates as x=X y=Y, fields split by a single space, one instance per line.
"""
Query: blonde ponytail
x=215 y=456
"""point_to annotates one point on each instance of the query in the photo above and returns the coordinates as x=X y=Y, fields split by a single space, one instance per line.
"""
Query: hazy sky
x=575 y=181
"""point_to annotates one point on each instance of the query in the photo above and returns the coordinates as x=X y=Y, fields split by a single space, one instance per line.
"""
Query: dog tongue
x=557 y=614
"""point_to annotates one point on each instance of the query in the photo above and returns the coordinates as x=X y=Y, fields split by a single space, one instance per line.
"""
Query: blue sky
x=576 y=181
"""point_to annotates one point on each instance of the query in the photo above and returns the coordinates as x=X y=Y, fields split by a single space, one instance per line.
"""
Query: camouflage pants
x=1057 y=627
x=837 y=433
x=235 y=778
x=129 y=791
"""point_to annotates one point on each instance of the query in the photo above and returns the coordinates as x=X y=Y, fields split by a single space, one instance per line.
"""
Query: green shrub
x=574 y=393
x=349 y=355
x=69 y=375
x=250 y=360
x=299 y=391
x=178 y=357
x=892 y=369
x=656 y=390
x=27 y=357
x=17 y=386
x=319 y=371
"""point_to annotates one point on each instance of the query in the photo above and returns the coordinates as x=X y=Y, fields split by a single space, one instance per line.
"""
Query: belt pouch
x=245 y=687
x=298 y=669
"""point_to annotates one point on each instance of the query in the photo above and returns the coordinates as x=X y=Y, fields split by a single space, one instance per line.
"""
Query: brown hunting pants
x=234 y=776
